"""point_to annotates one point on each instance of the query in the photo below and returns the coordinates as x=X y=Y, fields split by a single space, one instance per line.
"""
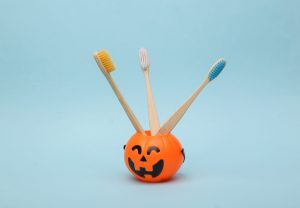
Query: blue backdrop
x=62 y=129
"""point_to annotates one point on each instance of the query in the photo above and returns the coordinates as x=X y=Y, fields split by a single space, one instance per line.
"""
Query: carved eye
x=152 y=148
x=138 y=147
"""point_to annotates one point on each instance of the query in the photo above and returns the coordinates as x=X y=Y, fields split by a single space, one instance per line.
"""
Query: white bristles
x=144 y=59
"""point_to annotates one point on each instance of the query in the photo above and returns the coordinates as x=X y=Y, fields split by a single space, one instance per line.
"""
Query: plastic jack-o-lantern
x=153 y=158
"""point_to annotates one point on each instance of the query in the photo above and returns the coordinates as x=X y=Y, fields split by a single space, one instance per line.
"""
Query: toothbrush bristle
x=216 y=69
x=144 y=59
x=105 y=60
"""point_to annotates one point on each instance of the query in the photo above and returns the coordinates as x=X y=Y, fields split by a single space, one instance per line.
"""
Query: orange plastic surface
x=153 y=158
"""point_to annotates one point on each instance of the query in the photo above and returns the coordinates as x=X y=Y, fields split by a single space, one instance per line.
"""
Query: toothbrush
x=153 y=117
x=170 y=124
x=106 y=65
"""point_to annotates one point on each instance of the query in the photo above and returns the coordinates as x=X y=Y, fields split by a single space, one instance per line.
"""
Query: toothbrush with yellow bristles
x=152 y=113
x=106 y=65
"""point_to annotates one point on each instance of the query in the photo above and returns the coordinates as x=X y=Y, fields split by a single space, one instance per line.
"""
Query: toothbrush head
x=103 y=59
x=144 y=59
x=216 y=69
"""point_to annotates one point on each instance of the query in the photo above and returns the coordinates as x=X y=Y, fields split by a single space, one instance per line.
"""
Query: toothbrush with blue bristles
x=170 y=124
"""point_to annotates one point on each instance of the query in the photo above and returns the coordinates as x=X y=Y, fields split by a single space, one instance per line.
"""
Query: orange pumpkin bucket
x=153 y=158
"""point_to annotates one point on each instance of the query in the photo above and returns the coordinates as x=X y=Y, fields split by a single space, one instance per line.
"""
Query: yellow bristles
x=105 y=60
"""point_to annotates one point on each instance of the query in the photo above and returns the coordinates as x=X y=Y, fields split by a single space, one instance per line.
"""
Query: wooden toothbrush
x=172 y=121
x=153 y=117
x=106 y=65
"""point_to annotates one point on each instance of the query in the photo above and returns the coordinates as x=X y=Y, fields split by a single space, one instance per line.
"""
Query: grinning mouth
x=157 y=168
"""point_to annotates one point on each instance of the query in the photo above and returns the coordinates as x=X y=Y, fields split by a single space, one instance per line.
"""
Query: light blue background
x=62 y=129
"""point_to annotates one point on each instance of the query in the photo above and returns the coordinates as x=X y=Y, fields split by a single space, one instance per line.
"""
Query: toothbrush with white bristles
x=170 y=124
x=153 y=117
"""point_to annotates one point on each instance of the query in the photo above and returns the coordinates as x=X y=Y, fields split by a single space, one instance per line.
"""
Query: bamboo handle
x=124 y=104
x=172 y=121
x=152 y=113
x=136 y=124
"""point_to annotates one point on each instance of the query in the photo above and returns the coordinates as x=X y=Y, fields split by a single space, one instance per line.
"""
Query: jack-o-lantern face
x=153 y=158
x=156 y=168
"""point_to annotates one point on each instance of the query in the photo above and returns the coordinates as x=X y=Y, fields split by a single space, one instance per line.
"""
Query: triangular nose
x=143 y=159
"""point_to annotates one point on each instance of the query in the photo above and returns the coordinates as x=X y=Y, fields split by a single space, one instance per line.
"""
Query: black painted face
x=156 y=168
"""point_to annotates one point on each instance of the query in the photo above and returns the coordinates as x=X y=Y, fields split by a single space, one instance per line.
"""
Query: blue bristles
x=216 y=69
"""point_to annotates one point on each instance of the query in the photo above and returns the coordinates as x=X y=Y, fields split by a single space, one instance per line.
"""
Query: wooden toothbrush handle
x=172 y=121
x=152 y=113
x=136 y=124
